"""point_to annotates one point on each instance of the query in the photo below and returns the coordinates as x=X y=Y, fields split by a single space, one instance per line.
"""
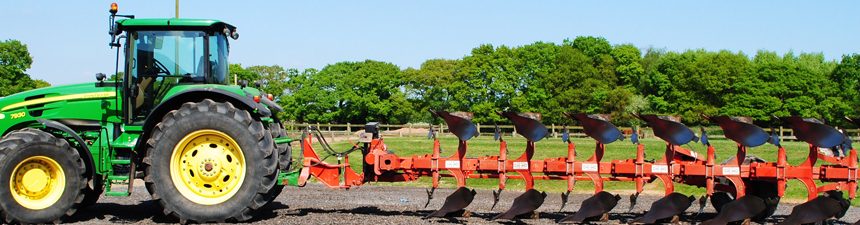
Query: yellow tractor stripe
x=104 y=94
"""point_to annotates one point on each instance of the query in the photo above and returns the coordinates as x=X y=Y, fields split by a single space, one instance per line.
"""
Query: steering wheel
x=161 y=68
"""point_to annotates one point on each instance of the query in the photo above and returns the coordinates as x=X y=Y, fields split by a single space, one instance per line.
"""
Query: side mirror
x=100 y=77
x=231 y=33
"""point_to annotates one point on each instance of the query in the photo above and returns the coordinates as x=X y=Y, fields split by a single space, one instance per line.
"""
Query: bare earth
x=316 y=204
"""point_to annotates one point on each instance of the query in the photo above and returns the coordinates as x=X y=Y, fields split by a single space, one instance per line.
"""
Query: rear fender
x=257 y=110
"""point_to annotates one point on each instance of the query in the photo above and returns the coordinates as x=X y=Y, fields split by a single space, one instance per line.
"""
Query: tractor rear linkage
x=740 y=176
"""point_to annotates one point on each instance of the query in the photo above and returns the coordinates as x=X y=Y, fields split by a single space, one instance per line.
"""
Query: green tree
x=591 y=46
x=14 y=61
x=365 y=91
x=629 y=69
x=692 y=83
x=306 y=98
x=577 y=86
x=534 y=63
x=427 y=88
x=489 y=81
x=237 y=72
x=788 y=85
x=272 y=79
x=37 y=83
x=846 y=75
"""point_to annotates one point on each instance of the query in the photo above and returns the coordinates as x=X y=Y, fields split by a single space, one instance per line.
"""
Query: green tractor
x=206 y=150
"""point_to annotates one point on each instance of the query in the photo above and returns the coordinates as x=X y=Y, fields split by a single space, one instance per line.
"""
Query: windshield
x=180 y=55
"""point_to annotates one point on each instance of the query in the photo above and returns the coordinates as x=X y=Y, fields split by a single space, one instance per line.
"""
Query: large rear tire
x=210 y=162
x=42 y=178
x=285 y=152
x=94 y=190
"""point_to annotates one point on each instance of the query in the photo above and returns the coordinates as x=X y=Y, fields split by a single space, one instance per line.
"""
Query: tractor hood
x=80 y=105
x=56 y=95
x=89 y=104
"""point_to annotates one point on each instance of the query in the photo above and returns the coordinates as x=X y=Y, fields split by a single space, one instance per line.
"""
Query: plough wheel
x=209 y=161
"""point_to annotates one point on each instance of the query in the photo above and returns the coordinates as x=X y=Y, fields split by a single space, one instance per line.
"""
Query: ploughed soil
x=371 y=204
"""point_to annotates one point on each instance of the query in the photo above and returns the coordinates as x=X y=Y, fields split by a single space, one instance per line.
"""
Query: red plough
x=742 y=189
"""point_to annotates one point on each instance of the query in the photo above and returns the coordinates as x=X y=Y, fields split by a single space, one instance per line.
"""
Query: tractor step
x=124 y=173
x=117 y=178
x=121 y=161
x=117 y=193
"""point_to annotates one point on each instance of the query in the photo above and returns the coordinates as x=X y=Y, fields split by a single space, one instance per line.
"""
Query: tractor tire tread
x=267 y=168
x=13 y=141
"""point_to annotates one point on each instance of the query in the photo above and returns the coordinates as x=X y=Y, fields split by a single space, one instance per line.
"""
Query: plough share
x=742 y=189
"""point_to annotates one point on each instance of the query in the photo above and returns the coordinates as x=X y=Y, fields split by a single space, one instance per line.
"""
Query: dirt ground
x=316 y=204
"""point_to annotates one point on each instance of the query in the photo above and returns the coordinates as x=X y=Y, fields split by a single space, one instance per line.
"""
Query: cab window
x=160 y=60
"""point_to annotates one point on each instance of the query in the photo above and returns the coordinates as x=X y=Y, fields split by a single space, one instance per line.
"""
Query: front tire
x=210 y=162
x=43 y=178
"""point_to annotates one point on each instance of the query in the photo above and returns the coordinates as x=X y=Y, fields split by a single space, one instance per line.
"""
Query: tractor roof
x=171 y=23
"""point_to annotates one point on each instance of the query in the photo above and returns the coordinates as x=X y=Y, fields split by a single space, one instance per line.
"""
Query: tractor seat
x=741 y=130
x=460 y=123
x=669 y=128
x=814 y=132
x=528 y=125
x=597 y=126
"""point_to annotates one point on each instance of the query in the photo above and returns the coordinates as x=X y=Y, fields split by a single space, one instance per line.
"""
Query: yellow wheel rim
x=207 y=167
x=37 y=182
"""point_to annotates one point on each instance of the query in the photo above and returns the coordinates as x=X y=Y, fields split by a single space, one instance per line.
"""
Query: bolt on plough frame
x=763 y=183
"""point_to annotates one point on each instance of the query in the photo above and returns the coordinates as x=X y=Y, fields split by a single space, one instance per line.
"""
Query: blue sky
x=68 y=40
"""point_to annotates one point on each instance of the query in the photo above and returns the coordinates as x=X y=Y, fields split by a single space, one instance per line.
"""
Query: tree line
x=586 y=74
x=15 y=59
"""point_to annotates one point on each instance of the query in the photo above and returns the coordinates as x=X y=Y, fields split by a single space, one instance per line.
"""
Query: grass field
x=554 y=147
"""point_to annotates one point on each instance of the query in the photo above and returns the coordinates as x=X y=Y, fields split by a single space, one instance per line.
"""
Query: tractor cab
x=163 y=53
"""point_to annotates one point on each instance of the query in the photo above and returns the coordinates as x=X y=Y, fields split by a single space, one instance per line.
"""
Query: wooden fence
x=350 y=131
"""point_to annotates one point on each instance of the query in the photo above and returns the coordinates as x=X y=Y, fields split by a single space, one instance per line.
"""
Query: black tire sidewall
x=285 y=151
x=71 y=170
x=92 y=194
x=163 y=151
